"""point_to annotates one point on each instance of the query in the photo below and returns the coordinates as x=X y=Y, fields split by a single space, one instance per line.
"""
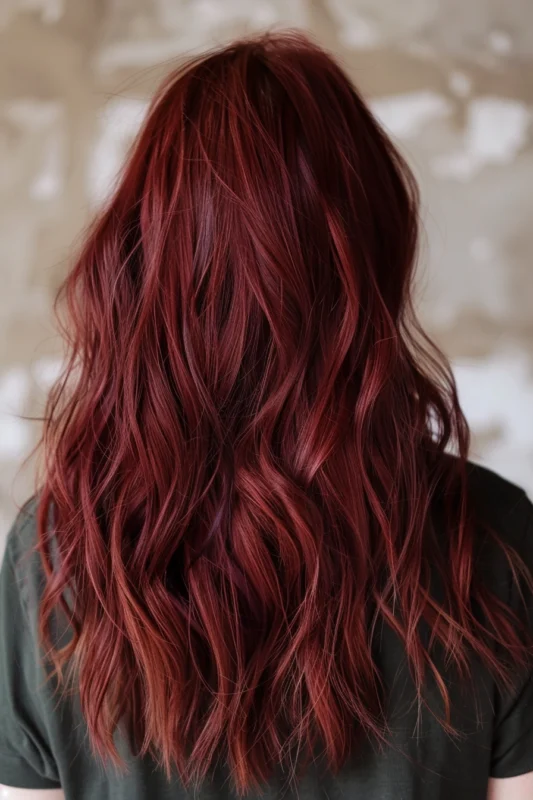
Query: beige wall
x=451 y=79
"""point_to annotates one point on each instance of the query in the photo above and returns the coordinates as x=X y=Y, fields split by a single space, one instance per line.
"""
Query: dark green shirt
x=43 y=744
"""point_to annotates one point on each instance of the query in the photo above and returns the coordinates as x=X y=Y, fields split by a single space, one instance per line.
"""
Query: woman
x=257 y=557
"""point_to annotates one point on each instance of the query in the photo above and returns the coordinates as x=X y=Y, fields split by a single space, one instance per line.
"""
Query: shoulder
x=501 y=516
x=22 y=568
x=22 y=535
x=496 y=490
x=501 y=504
x=494 y=493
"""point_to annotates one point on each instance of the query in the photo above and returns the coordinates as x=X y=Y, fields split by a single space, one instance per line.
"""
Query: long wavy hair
x=241 y=456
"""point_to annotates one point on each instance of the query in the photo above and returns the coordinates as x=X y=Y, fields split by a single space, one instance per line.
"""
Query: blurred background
x=451 y=81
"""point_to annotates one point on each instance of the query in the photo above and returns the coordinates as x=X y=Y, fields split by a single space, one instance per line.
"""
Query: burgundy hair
x=242 y=453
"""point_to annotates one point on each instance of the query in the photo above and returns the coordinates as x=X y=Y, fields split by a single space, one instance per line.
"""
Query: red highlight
x=241 y=455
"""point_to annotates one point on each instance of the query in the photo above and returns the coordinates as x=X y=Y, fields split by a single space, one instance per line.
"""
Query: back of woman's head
x=243 y=452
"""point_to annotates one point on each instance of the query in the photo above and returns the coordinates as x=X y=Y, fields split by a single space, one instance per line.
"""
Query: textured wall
x=451 y=80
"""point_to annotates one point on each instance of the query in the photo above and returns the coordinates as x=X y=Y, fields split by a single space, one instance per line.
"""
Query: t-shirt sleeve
x=512 y=747
x=26 y=759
